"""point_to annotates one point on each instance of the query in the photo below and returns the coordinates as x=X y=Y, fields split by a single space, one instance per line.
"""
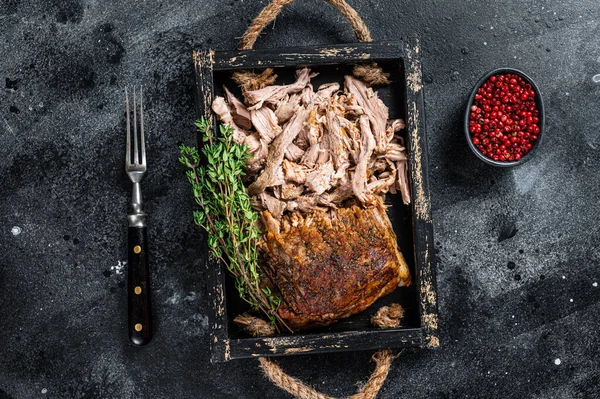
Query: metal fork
x=139 y=307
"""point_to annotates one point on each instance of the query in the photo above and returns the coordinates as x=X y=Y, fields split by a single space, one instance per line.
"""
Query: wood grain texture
x=218 y=323
x=329 y=342
x=203 y=68
x=300 y=56
x=421 y=201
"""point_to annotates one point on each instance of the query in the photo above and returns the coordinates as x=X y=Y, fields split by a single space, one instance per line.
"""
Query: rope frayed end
x=388 y=316
x=371 y=74
x=249 y=80
x=254 y=326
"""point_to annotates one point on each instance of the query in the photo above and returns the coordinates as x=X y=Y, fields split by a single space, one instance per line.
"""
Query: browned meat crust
x=330 y=265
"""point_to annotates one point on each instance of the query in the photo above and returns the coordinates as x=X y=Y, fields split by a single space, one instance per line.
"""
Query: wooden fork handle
x=139 y=307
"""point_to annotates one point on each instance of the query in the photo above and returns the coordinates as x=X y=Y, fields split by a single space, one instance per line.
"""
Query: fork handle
x=139 y=308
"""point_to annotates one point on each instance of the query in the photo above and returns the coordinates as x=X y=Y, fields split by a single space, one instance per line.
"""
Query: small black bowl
x=538 y=102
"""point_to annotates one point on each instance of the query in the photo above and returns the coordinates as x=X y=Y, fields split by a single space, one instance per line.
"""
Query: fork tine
x=136 y=156
x=128 y=146
x=142 y=140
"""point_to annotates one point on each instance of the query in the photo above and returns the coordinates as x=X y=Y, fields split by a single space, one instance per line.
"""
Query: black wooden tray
x=412 y=224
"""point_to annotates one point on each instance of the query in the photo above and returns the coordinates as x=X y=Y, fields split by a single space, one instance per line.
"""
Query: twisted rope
x=300 y=390
x=386 y=317
x=268 y=14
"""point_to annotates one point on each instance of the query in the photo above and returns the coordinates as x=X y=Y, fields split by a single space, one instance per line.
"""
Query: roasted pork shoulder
x=331 y=265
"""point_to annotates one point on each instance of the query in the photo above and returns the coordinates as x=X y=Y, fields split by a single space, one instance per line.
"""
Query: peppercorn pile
x=504 y=118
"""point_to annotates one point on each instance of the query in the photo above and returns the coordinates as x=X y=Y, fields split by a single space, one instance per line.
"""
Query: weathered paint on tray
x=407 y=55
x=247 y=59
x=422 y=224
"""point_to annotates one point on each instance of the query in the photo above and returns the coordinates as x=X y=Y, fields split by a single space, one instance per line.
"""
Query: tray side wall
x=419 y=169
x=215 y=270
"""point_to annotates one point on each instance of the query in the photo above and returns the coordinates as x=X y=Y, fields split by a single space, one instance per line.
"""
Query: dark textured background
x=63 y=67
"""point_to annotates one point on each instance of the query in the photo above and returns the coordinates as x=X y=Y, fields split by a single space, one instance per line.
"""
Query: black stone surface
x=519 y=313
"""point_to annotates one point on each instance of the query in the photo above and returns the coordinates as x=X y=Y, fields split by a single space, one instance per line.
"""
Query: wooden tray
x=412 y=224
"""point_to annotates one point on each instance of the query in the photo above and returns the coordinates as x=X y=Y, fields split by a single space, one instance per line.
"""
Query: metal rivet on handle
x=137 y=290
x=137 y=249
x=138 y=327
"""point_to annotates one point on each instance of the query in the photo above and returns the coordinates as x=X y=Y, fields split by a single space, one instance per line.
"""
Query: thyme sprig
x=226 y=214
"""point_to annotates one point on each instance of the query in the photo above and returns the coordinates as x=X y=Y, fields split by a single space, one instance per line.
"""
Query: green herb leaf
x=226 y=214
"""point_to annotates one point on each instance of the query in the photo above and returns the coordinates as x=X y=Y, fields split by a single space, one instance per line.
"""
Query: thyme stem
x=226 y=214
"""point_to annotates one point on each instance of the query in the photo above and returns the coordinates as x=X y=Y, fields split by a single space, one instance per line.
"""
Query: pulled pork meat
x=272 y=94
x=321 y=164
x=277 y=152
x=331 y=144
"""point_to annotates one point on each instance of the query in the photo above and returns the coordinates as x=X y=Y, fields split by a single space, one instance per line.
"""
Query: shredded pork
x=313 y=150
x=272 y=94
